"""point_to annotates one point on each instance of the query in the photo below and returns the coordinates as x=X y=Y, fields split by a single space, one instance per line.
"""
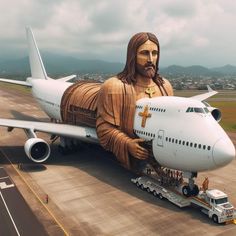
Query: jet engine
x=215 y=112
x=37 y=149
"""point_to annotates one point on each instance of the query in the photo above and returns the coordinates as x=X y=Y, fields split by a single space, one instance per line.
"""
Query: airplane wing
x=83 y=133
x=204 y=96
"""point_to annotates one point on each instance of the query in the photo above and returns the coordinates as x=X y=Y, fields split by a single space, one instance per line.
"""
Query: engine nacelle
x=37 y=149
x=215 y=112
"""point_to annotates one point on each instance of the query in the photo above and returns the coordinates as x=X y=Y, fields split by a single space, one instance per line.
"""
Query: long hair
x=128 y=74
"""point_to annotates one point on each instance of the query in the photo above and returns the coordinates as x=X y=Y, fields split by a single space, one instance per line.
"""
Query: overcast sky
x=191 y=32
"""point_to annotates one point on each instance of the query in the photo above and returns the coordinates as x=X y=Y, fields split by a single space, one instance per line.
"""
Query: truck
x=212 y=202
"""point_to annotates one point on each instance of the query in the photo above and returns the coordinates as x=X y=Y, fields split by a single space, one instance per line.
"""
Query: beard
x=148 y=70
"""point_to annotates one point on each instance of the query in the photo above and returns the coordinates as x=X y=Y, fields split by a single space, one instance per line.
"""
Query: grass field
x=225 y=100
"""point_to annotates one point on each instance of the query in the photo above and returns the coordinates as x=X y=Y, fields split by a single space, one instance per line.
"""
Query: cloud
x=102 y=29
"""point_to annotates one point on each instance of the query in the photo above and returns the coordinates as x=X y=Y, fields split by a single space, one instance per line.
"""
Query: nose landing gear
x=191 y=189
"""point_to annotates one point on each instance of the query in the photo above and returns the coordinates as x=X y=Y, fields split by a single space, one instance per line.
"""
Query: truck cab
x=217 y=206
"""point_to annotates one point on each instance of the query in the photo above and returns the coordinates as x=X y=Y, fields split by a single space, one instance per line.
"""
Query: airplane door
x=160 y=138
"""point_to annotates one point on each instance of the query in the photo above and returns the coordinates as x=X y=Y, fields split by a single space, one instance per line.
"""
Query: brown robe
x=115 y=115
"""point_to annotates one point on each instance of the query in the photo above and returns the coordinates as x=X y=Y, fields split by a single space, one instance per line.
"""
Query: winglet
x=204 y=96
x=36 y=64
x=209 y=89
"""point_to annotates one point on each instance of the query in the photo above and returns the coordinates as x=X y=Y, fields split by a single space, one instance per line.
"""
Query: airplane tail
x=36 y=64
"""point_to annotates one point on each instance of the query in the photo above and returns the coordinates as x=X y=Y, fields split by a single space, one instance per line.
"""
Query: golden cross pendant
x=150 y=91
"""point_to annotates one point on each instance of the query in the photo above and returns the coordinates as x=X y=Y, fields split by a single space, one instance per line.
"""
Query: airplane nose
x=223 y=152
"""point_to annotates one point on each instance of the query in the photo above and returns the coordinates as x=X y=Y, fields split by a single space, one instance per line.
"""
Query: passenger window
x=179 y=141
x=187 y=143
x=169 y=139
x=195 y=145
x=209 y=148
x=199 y=146
x=183 y=143
x=191 y=144
x=176 y=141
x=204 y=147
x=173 y=140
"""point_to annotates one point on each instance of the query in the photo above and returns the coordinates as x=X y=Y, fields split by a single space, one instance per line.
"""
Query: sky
x=191 y=32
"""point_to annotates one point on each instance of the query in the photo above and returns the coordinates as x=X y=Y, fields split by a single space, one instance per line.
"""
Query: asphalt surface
x=92 y=195
x=16 y=216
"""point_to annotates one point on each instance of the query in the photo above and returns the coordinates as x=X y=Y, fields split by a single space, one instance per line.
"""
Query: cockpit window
x=198 y=110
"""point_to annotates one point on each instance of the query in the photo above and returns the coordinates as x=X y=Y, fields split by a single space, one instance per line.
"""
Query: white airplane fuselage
x=182 y=140
x=48 y=94
x=189 y=141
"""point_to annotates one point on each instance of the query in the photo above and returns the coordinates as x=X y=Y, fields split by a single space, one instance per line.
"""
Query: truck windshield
x=221 y=200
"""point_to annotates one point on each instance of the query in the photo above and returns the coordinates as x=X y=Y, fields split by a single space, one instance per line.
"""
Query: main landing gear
x=68 y=146
x=191 y=189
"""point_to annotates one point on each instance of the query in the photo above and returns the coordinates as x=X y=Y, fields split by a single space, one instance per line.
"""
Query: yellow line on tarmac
x=59 y=224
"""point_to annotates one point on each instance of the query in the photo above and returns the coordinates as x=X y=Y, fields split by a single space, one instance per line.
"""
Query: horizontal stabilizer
x=19 y=82
x=67 y=78
x=204 y=96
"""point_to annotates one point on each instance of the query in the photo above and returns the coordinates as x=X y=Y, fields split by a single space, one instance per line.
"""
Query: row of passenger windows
x=152 y=108
x=157 y=109
x=197 y=110
x=187 y=143
x=145 y=133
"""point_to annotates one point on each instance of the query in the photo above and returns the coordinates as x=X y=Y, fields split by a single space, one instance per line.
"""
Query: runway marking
x=9 y=214
x=6 y=177
x=4 y=185
x=35 y=194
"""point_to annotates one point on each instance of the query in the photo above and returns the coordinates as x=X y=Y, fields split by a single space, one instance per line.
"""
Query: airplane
x=184 y=132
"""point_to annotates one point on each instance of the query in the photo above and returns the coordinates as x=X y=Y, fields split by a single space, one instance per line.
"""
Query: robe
x=115 y=115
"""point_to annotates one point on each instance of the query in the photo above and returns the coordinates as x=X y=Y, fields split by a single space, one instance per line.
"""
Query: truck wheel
x=186 y=191
x=160 y=196
x=215 y=219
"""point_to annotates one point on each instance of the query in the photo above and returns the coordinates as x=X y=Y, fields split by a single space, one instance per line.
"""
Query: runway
x=92 y=195
x=15 y=215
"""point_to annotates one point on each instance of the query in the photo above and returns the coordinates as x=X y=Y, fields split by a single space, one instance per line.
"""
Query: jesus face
x=147 y=55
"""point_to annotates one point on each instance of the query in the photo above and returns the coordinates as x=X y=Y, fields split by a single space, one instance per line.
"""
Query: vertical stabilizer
x=36 y=64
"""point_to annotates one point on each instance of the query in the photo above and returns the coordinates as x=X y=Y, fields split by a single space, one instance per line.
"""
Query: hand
x=136 y=150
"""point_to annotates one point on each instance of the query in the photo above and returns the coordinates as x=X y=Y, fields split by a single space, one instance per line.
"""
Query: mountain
x=194 y=70
x=59 y=65
x=227 y=69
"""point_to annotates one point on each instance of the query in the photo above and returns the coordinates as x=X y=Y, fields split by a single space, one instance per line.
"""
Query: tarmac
x=90 y=194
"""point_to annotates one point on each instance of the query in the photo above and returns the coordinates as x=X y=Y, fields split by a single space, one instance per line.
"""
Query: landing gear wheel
x=186 y=191
x=195 y=190
x=142 y=187
x=215 y=219
x=155 y=193
x=160 y=196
